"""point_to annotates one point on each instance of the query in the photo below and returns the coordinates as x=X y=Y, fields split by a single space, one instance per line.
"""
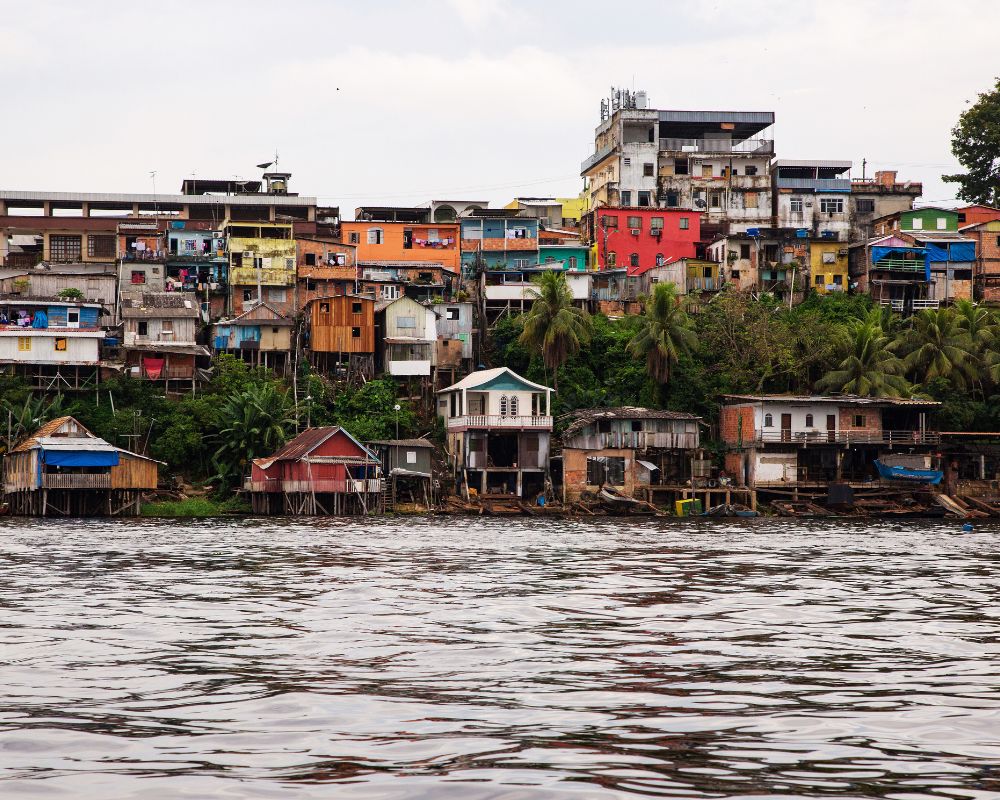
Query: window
x=633 y=260
x=706 y=170
x=628 y=162
x=503 y=405
x=453 y=313
x=672 y=200
x=745 y=251
x=101 y=246
x=648 y=170
x=609 y=222
x=829 y=258
x=310 y=259
x=626 y=198
x=795 y=205
x=248 y=295
x=916 y=224
x=606 y=470
x=310 y=285
x=138 y=276
x=644 y=198
x=636 y=425
x=858 y=421
x=324 y=308
x=942 y=223
x=961 y=217
x=750 y=200
x=656 y=225
x=390 y=292
x=513 y=405
x=355 y=238
x=610 y=259
x=24 y=344
x=277 y=294
x=680 y=166
x=355 y=307
x=406 y=322
x=432 y=235
x=809 y=420
x=550 y=259
x=411 y=456
x=838 y=280
x=660 y=260
x=167 y=326
x=142 y=328
x=635 y=223
x=355 y=333
x=750 y=170
x=61 y=344
x=685 y=223
x=831 y=205
x=768 y=421
x=375 y=235
x=715 y=199
x=818 y=280
x=65 y=248
x=572 y=262
x=865 y=206
x=706 y=272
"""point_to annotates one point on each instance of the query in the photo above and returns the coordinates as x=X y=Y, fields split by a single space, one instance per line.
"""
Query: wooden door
x=786 y=427
x=831 y=427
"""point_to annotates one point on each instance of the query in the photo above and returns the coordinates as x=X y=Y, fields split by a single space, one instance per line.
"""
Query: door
x=831 y=427
x=786 y=427
x=72 y=318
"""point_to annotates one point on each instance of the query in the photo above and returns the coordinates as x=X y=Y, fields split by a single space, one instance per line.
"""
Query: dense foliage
x=975 y=142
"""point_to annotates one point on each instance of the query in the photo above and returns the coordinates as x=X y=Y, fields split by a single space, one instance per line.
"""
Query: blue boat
x=887 y=472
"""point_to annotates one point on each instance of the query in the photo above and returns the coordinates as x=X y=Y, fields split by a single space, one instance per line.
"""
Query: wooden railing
x=498 y=421
x=848 y=437
x=319 y=486
x=69 y=480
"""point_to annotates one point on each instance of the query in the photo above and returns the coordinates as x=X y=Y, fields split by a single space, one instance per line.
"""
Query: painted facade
x=639 y=239
x=500 y=242
x=410 y=242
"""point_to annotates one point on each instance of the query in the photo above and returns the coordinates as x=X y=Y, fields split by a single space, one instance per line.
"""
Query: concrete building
x=451 y=210
x=391 y=234
x=262 y=265
x=812 y=196
x=498 y=239
x=876 y=197
x=498 y=427
x=715 y=162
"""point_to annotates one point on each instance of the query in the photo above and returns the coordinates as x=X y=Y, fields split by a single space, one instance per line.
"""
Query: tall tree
x=975 y=142
x=936 y=346
x=665 y=333
x=553 y=324
x=869 y=365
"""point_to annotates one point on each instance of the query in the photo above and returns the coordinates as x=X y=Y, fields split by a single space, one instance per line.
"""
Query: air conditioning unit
x=656 y=231
x=248 y=254
x=635 y=231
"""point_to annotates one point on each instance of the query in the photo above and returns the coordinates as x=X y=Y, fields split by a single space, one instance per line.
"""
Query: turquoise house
x=572 y=256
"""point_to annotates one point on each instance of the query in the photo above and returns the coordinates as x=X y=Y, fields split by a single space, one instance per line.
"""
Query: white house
x=409 y=337
x=499 y=427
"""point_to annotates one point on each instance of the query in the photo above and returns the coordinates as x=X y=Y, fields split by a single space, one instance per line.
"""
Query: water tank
x=640 y=99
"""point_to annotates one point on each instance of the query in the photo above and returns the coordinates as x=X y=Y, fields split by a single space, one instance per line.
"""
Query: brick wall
x=575 y=471
x=729 y=423
x=872 y=419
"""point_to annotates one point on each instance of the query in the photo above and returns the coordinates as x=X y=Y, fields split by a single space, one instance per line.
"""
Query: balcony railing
x=745 y=146
x=320 y=486
x=500 y=421
x=887 y=437
x=815 y=184
x=901 y=264
x=916 y=305
x=54 y=480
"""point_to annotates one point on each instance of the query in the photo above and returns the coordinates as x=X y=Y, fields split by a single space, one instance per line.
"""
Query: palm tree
x=553 y=324
x=665 y=333
x=869 y=365
x=25 y=419
x=937 y=346
x=980 y=326
x=256 y=422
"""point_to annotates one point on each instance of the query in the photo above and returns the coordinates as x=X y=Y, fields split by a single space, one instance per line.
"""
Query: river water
x=483 y=658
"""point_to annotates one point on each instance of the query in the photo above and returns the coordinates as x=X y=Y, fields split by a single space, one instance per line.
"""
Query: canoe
x=887 y=472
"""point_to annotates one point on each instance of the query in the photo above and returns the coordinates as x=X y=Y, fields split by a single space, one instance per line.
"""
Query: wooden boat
x=891 y=473
x=616 y=499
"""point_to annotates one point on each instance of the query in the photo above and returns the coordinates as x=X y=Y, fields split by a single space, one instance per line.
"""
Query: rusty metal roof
x=584 y=417
x=307 y=441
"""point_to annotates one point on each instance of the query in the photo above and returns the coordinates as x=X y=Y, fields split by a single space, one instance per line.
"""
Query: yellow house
x=261 y=264
x=828 y=266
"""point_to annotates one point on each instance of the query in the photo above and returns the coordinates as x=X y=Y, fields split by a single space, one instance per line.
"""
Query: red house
x=320 y=471
x=640 y=238
x=974 y=214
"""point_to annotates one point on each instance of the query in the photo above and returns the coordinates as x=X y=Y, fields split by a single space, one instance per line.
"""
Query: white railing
x=917 y=305
x=70 y=480
x=319 y=486
x=849 y=437
x=500 y=421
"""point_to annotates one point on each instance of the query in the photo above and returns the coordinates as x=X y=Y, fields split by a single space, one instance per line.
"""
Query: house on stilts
x=323 y=471
x=65 y=470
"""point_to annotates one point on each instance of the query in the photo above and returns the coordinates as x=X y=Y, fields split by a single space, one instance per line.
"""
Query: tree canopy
x=975 y=142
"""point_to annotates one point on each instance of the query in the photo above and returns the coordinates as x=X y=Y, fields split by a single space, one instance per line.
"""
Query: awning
x=646 y=464
x=80 y=458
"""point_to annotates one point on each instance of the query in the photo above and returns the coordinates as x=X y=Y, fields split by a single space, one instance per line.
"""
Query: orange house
x=378 y=240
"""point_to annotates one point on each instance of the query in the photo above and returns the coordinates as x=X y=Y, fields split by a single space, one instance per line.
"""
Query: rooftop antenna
x=156 y=210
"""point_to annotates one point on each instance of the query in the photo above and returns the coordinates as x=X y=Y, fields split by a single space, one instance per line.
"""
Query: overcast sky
x=399 y=102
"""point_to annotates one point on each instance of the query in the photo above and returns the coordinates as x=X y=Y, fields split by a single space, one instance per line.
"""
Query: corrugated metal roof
x=307 y=441
x=584 y=417
x=403 y=443
x=852 y=399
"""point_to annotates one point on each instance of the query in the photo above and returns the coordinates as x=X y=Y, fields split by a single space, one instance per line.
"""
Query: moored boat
x=895 y=473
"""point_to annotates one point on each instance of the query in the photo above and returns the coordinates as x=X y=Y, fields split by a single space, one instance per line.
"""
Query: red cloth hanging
x=152 y=366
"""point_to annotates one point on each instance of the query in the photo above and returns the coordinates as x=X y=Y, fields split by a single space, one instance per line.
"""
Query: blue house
x=498 y=239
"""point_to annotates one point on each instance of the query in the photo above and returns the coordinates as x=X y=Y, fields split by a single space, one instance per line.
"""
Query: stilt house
x=342 y=334
x=321 y=471
x=65 y=470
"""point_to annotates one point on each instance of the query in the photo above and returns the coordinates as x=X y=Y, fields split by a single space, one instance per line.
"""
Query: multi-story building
x=498 y=427
x=385 y=234
x=160 y=338
x=325 y=268
x=262 y=264
x=498 y=239
x=793 y=440
x=876 y=197
x=408 y=333
x=716 y=162
x=765 y=260
x=642 y=238
x=451 y=210
x=986 y=278
x=456 y=332
x=813 y=196
x=341 y=335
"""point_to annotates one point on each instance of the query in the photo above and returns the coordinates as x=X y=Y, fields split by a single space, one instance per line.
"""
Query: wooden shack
x=321 y=471
x=408 y=467
x=261 y=335
x=342 y=334
x=65 y=470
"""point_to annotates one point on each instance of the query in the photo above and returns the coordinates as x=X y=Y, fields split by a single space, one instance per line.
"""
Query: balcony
x=499 y=245
x=901 y=265
x=849 y=437
x=319 y=486
x=493 y=421
x=53 y=480
x=749 y=147
x=597 y=158
x=815 y=184
x=916 y=305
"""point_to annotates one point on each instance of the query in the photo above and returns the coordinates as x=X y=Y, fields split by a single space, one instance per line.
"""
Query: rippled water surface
x=471 y=658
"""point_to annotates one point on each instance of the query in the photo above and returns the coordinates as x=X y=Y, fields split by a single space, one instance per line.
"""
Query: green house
x=572 y=256
x=928 y=219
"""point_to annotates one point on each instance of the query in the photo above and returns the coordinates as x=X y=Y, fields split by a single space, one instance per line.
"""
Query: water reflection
x=474 y=658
